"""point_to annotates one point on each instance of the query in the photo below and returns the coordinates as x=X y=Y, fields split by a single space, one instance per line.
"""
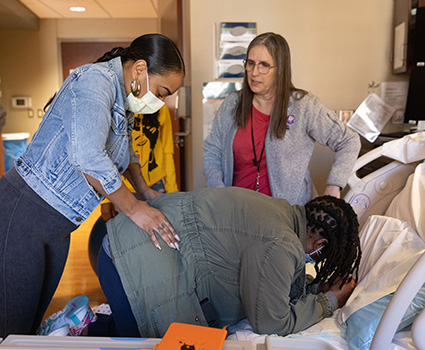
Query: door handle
x=186 y=130
x=183 y=113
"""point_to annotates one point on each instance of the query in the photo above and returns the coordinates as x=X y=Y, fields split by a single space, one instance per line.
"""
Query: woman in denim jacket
x=74 y=160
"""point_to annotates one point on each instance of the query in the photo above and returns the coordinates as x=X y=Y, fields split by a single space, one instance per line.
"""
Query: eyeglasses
x=263 y=67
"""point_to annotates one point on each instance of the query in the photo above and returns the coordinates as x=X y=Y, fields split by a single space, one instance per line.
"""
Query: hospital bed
x=388 y=202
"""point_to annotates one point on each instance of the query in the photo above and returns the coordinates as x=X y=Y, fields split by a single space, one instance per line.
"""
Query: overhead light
x=77 y=9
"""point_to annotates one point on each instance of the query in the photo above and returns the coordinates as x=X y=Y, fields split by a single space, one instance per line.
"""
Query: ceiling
x=24 y=14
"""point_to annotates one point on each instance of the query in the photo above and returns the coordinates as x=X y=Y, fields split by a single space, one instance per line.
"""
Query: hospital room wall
x=30 y=64
x=337 y=47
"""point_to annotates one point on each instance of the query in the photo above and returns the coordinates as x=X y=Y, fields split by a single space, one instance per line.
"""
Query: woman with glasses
x=263 y=136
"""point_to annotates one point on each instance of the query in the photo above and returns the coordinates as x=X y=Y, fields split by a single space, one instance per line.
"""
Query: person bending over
x=74 y=160
x=242 y=254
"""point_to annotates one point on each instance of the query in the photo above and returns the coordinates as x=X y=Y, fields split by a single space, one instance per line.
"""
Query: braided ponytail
x=160 y=53
x=115 y=52
x=335 y=220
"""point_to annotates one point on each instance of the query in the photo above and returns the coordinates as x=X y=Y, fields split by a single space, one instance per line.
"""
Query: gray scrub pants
x=34 y=244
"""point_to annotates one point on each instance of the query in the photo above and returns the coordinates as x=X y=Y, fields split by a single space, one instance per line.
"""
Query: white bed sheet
x=409 y=204
x=327 y=330
x=390 y=247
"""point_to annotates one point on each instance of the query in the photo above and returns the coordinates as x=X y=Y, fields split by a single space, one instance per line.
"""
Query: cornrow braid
x=334 y=219
x=115 y=52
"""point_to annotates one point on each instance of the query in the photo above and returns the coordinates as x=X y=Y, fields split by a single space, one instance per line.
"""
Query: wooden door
x=75 y=54
x=171 y=24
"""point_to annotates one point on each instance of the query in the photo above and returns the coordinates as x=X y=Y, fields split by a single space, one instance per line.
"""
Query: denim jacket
x=86 y=130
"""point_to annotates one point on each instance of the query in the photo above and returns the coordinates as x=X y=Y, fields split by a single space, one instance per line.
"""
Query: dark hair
x=334 y=219
x=278 y=48
x=160 y=53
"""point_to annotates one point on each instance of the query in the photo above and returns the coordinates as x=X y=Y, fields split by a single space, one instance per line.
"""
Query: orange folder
x=181 y=336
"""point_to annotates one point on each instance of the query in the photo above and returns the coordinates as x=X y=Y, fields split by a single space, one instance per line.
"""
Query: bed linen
x=390 y=247
x=409 y=204
x=327 y=330
x=408 y=149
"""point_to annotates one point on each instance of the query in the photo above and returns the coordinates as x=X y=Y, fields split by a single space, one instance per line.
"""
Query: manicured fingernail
x=158 y=246
x=176 y=236
x=175 y=246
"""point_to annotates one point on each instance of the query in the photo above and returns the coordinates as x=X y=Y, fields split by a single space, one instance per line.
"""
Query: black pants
x=34 y=244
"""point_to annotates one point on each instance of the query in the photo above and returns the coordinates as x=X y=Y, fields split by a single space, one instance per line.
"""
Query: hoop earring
x=135 y=87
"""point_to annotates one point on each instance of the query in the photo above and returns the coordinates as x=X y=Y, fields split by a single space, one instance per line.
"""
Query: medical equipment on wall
x=370 y=194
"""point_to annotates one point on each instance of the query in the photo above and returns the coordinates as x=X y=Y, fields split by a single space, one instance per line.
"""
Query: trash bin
x=14 y=146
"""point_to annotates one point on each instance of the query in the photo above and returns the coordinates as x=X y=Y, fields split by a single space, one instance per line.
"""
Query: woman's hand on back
x=153 y=221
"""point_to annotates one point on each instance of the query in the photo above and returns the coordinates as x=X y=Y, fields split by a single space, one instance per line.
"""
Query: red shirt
x=245 y=171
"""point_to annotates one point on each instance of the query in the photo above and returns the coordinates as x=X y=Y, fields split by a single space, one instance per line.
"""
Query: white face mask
x=148 y=104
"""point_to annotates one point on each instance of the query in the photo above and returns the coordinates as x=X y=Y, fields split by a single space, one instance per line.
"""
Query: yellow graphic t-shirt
x=153 y=144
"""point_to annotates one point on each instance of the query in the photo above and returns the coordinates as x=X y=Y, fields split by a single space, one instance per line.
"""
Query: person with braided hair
x=323 y=215
x=75 y=159
x=242 y=255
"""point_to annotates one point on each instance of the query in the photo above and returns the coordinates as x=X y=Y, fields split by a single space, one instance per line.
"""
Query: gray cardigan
x=287 y=159
x=242 y=250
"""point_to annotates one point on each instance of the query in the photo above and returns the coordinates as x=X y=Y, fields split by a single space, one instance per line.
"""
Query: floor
x=78 y=277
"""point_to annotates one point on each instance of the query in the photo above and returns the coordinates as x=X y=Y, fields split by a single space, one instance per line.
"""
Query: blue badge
x=290 y=119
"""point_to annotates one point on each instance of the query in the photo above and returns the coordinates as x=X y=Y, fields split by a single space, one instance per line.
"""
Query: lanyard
x=256 y=162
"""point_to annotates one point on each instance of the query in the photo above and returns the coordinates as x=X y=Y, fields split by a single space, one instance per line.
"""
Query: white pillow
x=389 y=249
x=409 y=204
x=408 y=149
